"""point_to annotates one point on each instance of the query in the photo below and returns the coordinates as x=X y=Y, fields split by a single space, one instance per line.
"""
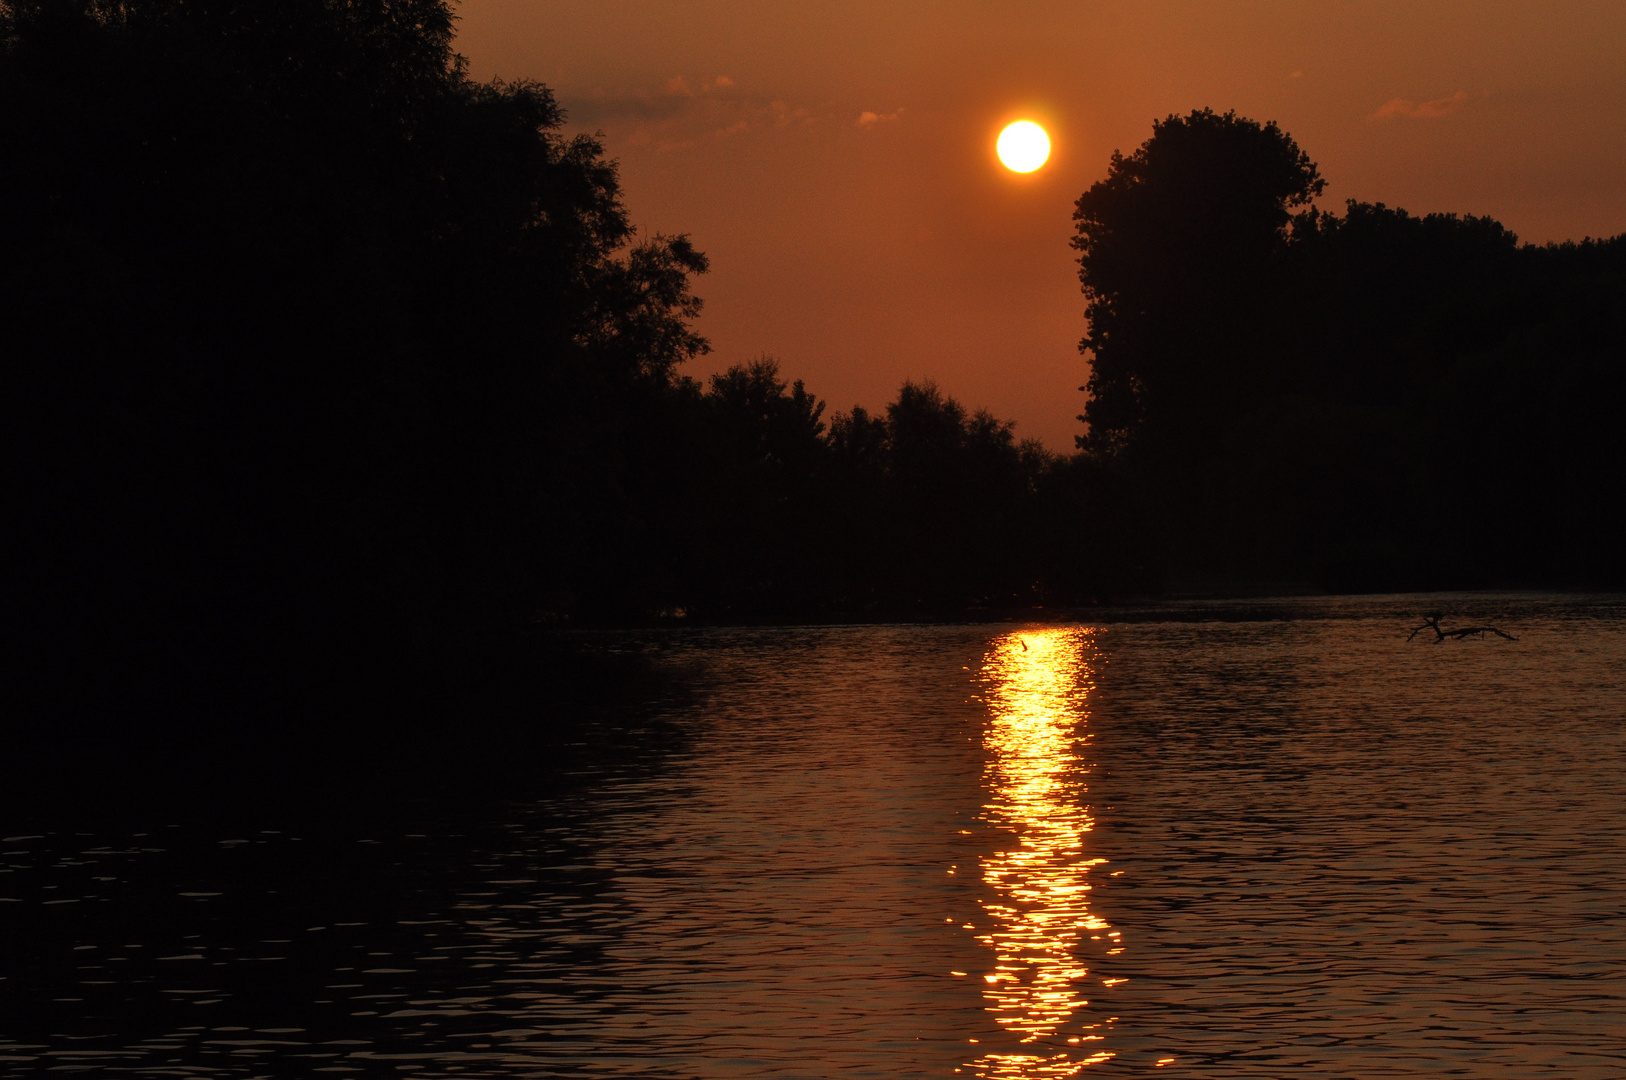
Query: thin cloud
x=1412 y=109
x=678 y=86
x=678 y=98
x=785 y=113
x=870 y=119
x=684 y=112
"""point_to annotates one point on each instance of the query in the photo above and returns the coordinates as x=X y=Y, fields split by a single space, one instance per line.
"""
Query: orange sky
x=835 y=160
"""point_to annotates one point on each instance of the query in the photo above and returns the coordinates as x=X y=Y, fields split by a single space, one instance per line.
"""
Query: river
x=1250 y=839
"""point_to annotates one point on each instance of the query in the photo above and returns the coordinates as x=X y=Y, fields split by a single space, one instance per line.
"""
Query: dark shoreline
x=513 y=731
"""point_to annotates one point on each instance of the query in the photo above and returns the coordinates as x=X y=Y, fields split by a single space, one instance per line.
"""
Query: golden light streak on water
x=1038 y=684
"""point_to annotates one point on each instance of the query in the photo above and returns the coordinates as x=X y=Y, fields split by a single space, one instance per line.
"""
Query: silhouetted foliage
x=1365 y=400
x=1179 y=251
x=927 y=510
x=322 y=358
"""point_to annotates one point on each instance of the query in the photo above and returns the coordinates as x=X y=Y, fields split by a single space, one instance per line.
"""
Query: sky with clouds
x=835 y=160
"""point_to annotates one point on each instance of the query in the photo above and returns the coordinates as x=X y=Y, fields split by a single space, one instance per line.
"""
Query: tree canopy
x=1357 y=400
x=1177 y=245
x=318 y=347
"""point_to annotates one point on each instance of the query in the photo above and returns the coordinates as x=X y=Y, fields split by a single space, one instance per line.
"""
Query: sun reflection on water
x=1037 y=683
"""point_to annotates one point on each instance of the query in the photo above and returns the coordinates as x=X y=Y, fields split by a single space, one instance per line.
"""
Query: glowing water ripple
x=1336 y=855
x=1038 y=684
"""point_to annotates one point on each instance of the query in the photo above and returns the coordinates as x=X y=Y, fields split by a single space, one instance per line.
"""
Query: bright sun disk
x=1023 y=146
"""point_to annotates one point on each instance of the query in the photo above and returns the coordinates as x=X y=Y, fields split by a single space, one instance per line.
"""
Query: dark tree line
x=927 y=509
x=334 y=378
x=1359 y=400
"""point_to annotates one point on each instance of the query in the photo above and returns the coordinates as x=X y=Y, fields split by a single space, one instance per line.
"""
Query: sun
x=1023 y=146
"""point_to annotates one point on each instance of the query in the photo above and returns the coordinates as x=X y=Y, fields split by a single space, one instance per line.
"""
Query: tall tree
x=1177 y=257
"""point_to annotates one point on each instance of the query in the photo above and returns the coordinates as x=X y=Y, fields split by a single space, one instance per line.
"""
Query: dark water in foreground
x=1252 y=846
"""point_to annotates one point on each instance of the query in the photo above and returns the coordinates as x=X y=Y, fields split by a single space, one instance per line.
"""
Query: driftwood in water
x=1432 y=622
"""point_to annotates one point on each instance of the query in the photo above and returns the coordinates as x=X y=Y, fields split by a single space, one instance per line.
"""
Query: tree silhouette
x=1177 y=252
x=1370 y=399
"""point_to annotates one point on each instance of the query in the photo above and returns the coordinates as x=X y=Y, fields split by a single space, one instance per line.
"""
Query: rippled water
x=1234 y=840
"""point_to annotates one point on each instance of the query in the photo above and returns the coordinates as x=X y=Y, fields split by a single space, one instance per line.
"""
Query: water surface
x=1225 y=840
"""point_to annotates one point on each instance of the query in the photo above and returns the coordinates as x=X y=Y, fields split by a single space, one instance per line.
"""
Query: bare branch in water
x=1432 y=622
